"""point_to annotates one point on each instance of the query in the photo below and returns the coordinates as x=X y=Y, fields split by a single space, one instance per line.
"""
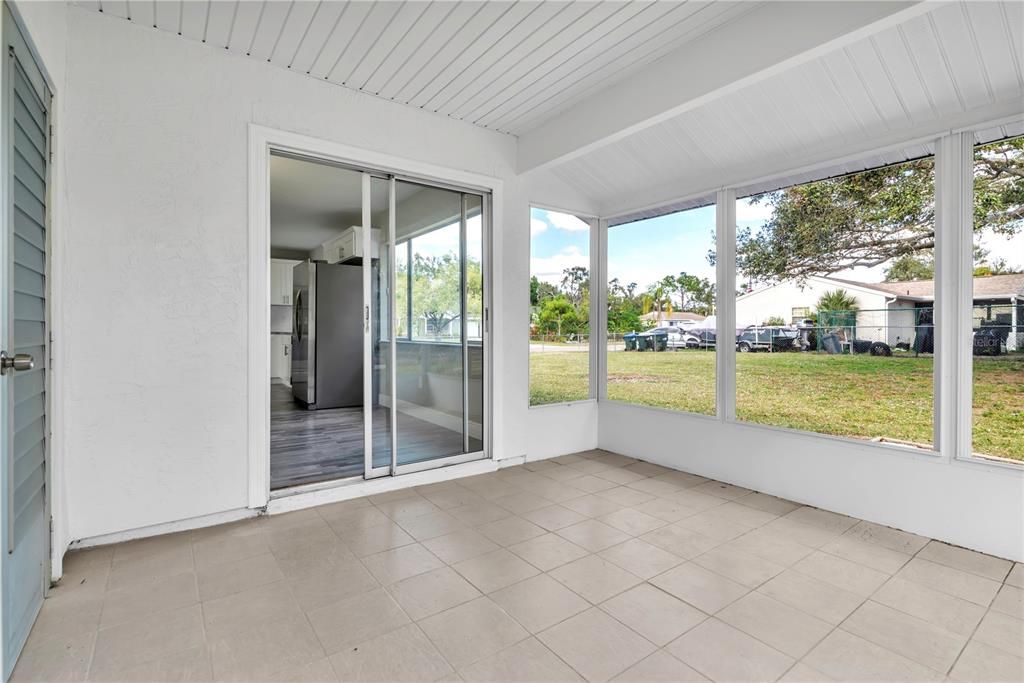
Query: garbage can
x=630 y=340
x=659 y=341
x=831 y=344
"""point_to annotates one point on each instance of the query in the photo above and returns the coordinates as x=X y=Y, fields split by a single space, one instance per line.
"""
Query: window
x=998 y=301
x=856 y=253
x=559 y=307
x=661 y=305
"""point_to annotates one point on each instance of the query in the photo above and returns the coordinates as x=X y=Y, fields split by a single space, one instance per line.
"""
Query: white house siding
x=780 y=300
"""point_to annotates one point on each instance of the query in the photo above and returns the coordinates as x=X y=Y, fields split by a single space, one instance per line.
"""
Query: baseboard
x=164 y=528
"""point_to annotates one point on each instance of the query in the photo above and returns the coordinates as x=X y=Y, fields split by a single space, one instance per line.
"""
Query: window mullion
x=725 y=303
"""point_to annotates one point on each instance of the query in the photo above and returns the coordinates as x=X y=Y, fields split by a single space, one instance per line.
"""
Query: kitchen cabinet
x=281 y=357
x=281 y=281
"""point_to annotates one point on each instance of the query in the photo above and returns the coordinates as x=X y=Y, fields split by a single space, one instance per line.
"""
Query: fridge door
x=304 y=333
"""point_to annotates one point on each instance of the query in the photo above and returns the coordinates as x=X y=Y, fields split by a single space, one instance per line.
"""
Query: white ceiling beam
x=768 y=39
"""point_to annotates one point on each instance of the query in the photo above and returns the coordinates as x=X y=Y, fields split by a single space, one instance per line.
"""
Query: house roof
x=675 y=315
x=987 y=287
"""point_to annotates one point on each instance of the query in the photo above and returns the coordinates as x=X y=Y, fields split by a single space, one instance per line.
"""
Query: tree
x=576 y=283
x=910 y=267
x=837 y=301
x=436 y=283
x=875 y=217
x=774 y=320
x=558 y=316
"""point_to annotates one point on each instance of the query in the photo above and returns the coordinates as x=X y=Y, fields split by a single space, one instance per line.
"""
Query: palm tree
x=837 y=301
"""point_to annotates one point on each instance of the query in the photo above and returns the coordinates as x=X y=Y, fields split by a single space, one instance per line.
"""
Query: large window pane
x=835 y=304
x=661 y=305
x=998 y=305
x=559 y=307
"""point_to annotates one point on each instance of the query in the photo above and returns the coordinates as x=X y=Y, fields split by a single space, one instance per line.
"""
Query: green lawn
x=856 y=396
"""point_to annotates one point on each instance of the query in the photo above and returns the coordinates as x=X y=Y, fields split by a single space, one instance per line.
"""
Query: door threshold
x=311 y=495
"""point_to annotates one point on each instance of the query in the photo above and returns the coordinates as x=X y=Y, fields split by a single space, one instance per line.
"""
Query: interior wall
x=156 y=139
x=973 y=505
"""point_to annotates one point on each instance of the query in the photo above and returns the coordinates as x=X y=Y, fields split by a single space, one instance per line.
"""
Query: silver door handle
x=18 y=362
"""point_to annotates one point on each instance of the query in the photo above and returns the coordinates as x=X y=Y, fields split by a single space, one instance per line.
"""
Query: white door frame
x=261 y=140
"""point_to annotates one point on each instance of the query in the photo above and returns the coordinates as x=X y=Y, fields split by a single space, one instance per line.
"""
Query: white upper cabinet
x=281 y=281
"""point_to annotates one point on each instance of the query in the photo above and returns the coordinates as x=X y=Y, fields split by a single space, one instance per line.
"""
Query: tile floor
x=591 y=566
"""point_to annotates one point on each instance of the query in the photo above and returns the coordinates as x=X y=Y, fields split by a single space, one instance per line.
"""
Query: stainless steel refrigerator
x=327 y=337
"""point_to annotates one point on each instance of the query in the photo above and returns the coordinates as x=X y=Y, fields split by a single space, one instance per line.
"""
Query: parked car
x=703 y=338
x=767 y=338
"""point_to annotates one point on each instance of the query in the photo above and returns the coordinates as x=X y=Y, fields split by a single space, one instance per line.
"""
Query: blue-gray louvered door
x=26 y=105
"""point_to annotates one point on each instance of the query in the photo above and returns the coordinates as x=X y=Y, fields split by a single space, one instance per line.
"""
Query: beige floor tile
x=405 y=509
x=148 y=597
x=990 y=567
x=632 y=522
x=619 y=476
x=431 y=525
x=567 y=459
x=942 y=610
x=147 y=639
x=539 y=602
x=450 y=497
x=311 y=557
x=893 y=539
x=744 y=515
x=767 y=503
x=562 y=474
x=330 y=583
x=233 y=577
x=847 y=575
x=804 y=534
x=696 y=500
x=785 y=628
x=495 y=570
x=905 y=635
x=772 y=546
x=724 y=653
x=866 y=553
x=65 y=617
x=846 y=657
x=591 y=466
x=352 y=519
x=433 y=592
x=653 y=613
x=701 y=588
x=681 y=542
x=666 y=509
x=641 y=558
x=625 y=496
x=593 y=535
x=981 y=662
x=595 y=578
x=237 y=612
x=472 y=631
x=159 y=545
x=709 y=523
x=319 y=671
x=682 y=479
x=1016 y=575
x=391 y=566
x=191 y=665
x=525 y=662
x=596 y=645
x=342 y=508
x=548 y=551
x=817 y=598
x=801 y=673
x=461 y=545
x=391 y=496
x=403 y=655
x=720 y=489
x=359 y=618
x=85 y=572
x=375 y=539
x=60 y=659
x=661 y=667
x=1010 y=600
x=511 y=530
x=169 y=561
x=592 y=506
x=830 y=521
x=1002 y=631
x=522 y=502
x=220 y=550
x=311 y=533
x=741 y=567
x=970 y=587
x=264 y=649
x=648 y=469
x=554 y=517
x=655 y=487
x=478 y=514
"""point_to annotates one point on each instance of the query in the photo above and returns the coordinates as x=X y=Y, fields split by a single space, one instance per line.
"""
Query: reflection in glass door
x=439 y=311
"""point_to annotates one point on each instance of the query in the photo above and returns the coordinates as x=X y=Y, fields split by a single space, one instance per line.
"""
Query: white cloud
x=537 y=226
x=746 y=211
x=567 y=222
x=549 y=268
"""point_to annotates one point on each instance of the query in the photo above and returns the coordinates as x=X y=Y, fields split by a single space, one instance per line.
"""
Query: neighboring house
x=888 y=310
x=675 y=319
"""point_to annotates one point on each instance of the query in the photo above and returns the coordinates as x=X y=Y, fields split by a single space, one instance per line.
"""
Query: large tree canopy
x=881 y=216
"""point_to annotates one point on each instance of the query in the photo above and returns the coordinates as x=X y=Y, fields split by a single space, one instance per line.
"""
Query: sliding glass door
x=425 y=327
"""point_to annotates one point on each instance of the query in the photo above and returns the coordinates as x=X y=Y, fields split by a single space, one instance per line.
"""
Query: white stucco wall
x=779 y=301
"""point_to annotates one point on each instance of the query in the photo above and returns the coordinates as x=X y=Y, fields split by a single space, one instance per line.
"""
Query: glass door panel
x=380 y=334
x=474 y=323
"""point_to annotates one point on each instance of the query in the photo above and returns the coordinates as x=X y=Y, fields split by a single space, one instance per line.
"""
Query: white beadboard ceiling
x=938 y=67
x=505 y=66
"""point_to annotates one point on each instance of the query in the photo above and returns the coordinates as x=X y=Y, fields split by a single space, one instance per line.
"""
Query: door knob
x=17 y=362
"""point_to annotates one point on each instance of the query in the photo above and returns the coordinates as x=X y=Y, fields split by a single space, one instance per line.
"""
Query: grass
x=854 y=396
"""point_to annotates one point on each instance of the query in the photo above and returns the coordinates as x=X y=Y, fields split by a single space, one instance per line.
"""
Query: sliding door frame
x=264 y=140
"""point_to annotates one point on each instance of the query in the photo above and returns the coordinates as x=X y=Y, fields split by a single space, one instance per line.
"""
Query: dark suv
x=767 y=338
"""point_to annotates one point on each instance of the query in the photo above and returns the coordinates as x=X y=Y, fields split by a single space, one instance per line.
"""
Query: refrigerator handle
x=366 y=323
